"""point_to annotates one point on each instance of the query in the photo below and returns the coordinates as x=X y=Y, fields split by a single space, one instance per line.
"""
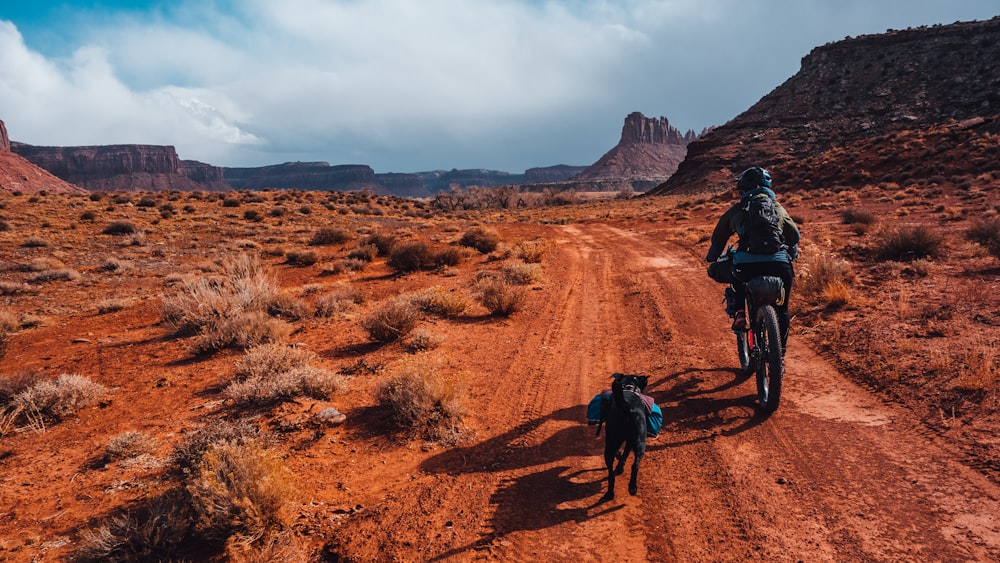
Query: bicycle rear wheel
x=770 y=363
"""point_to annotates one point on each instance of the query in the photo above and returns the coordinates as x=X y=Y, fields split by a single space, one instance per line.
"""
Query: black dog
x=626 y=421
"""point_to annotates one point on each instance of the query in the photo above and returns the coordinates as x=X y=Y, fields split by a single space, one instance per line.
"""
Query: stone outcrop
x=112 y=167
x=211 y=177
x=4 y=140
x=850 y=92
x=304 y=176
x=650 y=149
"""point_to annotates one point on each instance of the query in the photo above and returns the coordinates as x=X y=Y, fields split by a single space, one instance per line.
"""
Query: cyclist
x=767 y=244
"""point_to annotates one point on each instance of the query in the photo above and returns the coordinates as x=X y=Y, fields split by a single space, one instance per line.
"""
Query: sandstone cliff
x=870 y=93
x=403 y=185
x=112 y=167
x=650 y=149
x=4 y=140
x=558 y=173
x=19 y=175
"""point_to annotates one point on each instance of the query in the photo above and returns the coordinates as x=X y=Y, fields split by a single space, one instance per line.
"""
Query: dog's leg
x=609 y=462
x=633 y=483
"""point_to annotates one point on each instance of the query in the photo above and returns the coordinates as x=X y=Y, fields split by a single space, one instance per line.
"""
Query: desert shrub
x=231 y=202
x=483 y=240
x=106 y=306
x=420 y=340
x=120 y=228
x=500 y=297
x=384 y=242
x=61 y=274
x=115 y=265
x=909 y=243
x=243 y=330
x=288 y=306
x=228 y=310
x=391 y=320
x=301 y=257
x=521 y=273
x=59 y=398
x=146 y=201
x=340 y=300
x=857 y=215
x=187 y=455
x=253 y=215
x=411 y=256
x=448 y=256
x=440 y=301
x=819 y=272
x=129 y=445
x=531 y=251
x=88 y=216
x=330 y=235
x=987 y=233
x=14 y=288
x=365 y=253
x=4 y=225
x=152 y=533
x=239 y=487
x=273 y=372
x=35 y=242
x=422 y=400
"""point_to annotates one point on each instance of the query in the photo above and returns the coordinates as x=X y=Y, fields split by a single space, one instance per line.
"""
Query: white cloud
x=406 y=85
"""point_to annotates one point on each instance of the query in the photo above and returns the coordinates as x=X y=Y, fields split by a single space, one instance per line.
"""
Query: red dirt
x=837 y=474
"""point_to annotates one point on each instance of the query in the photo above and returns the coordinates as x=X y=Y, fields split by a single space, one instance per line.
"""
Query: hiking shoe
x=740 y=321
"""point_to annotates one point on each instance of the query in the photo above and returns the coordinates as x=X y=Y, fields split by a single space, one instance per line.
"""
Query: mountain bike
x=759 y=347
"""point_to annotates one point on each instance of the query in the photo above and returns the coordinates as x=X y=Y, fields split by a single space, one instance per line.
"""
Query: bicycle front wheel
x=770 y=363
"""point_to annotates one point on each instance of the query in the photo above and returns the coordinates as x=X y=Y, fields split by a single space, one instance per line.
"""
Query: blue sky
x=408 y=86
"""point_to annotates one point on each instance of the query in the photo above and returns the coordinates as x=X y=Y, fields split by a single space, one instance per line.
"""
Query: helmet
x=753 y=177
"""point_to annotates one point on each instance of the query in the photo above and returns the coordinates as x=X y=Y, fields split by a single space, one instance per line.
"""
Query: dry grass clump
x=288 y=306
x=987 y=233
x=411 y=257
x=391 y=320
x=301 y=257
x=364 y=252
x=531 y=251
x=384 y=242
x=62 y=274
x=500 y=298
x=483 y=240
x=422 y=400
x=330 y=236
x=57 y=399
x=908 y=243
x=35 y=242
x=228 y=310
x=239 y=487
x=187 y=455
x=421 y=340
x=521 y=273
x=826 y=277
x=112 y=305
x=440 y=301
x=338 y=301
x=8 y=326
x=120 y=228
x=129 y=445
x=271 y=373
x=858 y=215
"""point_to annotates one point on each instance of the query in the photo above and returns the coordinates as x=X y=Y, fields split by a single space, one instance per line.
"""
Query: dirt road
x=834 y=475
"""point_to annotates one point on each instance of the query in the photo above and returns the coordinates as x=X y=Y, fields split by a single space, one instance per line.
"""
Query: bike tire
x=770 y=362
x=743 y=350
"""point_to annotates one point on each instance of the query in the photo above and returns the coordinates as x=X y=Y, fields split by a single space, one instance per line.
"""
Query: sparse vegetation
x=483 y=240
x=500 y=298
x=987 y=233
x=330 y=235
x=392 y=319
x=422 y=400
x=908 y=243
x=128 y=445
x=439 y=301
x=120 y=228
x=57 y=399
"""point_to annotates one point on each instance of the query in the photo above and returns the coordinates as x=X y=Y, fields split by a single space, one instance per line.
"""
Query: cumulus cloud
x=405 y=85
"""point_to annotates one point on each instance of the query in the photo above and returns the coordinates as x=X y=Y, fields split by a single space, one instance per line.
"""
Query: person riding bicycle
x=767 y=245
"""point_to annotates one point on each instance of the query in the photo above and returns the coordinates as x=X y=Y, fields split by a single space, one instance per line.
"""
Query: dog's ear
x=642 y=380
x=617 y=376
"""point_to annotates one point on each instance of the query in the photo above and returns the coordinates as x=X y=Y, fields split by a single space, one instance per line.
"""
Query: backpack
x=761 y=232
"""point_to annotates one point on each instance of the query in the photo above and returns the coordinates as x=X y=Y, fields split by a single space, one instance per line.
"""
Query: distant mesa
x=304 y=176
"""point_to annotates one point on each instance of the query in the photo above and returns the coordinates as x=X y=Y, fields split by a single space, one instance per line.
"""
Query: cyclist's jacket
x=733 y=220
